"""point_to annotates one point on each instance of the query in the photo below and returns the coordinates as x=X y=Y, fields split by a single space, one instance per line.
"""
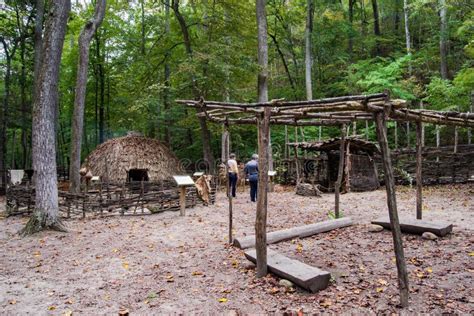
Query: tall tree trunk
x=351 y=36
x=396 y=26
x=166 y=90
x=205 y=133
x=263 y=141
x=308 y=53
x=143 y=40
x=46 y=213
x=4 y=110
x=377 y=32
x=101 y=85
x=23 y=104
x=285 y=64
x=38 y=42
x=443 y=40
x=407 y=34
x=79 y=99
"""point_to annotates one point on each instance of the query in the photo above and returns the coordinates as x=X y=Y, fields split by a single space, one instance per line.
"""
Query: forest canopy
x=146 y=54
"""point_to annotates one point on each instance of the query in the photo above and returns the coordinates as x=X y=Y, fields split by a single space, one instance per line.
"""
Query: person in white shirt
x=233 y=174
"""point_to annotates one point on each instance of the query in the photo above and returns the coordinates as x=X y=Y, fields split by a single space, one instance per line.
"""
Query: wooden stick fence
x=110 y=199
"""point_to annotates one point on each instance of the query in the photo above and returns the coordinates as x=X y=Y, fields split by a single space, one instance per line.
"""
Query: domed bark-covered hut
x=133 y=158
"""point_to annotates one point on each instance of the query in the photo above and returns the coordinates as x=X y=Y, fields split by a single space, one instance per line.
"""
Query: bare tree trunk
x=351 y=37
x=6 y=106
x=38 y=39
x=285 y=64
x=443 y=45
x=166 y=90
x=205 y=133
x=143 y=42
x=377 y=33
x=407 y=34
x=22 y=80
x=79 y=99
x=263 y=141
x=308 y=52
x=46 y=213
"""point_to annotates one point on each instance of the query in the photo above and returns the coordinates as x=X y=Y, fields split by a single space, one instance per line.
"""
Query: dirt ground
x=165 y=263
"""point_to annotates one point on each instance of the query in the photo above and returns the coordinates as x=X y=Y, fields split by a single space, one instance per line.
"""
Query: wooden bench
x=295 y=232
x=416 y=226
x=301 y=274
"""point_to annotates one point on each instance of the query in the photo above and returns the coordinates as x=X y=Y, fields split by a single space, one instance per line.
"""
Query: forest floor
x=165 y=263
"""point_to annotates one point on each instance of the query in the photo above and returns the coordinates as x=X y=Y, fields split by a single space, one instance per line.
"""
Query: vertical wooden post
x=320 y=132
x=261 y=218
x=354 y=128
x=395 y=132
x=297 y=166
x=182 y=200
x=422 y=127
x=286 y=142
x=408 y=135
x=456 y=139
x=392 y=209
x=367 y=130
x=437 y=140
x=225 y=159
x=419 y=167
x=337 y=188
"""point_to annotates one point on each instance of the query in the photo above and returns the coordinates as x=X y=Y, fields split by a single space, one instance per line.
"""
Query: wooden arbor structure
x=339 y=111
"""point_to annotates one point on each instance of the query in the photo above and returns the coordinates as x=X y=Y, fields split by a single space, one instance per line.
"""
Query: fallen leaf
x=380 y=289
x=12 y=302
x=299 y=248
x=274 y=290
x=223 y=300
x=67 y=313
x=125 y=265
x=325 y=303
x=382 y=282
x=197 y=273
x=52 y=308
x=429 y=270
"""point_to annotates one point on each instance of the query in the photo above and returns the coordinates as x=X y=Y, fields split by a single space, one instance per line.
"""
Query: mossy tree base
x=41 y=221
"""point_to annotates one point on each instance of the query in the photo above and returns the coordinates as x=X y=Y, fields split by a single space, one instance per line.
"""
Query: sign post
x=271 y=175
x=183 y=182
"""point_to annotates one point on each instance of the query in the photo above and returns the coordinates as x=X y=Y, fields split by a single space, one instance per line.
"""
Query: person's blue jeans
x=253 y=189
x=232 y=183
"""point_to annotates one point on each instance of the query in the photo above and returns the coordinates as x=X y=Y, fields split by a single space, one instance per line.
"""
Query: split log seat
x=295 y=232
x=301 y=274
x=416 y=226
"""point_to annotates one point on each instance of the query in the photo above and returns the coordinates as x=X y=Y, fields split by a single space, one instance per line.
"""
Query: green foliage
x=379 y=74
x=131 y=48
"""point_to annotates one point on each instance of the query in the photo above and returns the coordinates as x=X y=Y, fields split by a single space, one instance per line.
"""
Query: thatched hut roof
x=113 y=159
x=334 y=144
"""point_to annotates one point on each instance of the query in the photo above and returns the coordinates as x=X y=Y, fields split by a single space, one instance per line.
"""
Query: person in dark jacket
x=251 y=172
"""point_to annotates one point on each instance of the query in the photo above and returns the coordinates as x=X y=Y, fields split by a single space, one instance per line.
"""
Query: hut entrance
x=137 y=175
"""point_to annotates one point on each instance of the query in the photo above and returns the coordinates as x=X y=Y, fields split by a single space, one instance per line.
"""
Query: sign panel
x=182 y=181
x=272 y=173
x=198 y=173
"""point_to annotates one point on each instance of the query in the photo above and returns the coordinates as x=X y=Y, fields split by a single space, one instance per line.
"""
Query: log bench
x=295 y=232
x=416 y=226
x=301 y=274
